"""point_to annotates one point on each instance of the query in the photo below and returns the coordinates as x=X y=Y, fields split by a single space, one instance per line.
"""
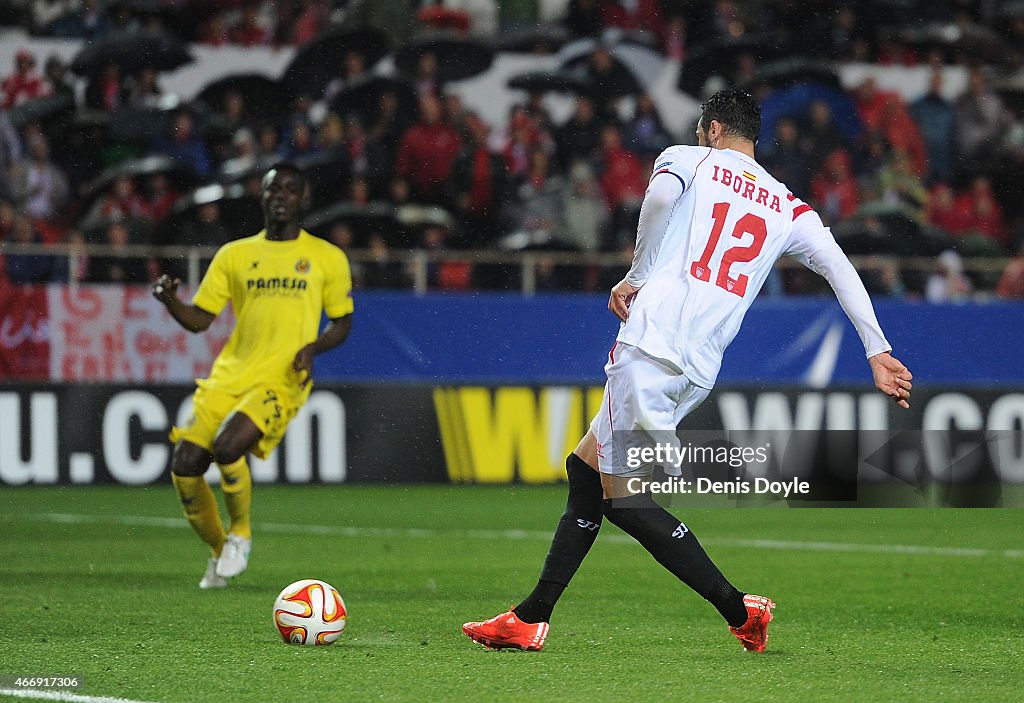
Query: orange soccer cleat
x=753 y=635
x=507 y=631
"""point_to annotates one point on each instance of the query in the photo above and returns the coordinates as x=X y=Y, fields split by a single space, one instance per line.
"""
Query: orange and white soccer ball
x=310 y=612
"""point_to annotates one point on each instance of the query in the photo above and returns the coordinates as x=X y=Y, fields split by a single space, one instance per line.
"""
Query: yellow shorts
x=269 y=407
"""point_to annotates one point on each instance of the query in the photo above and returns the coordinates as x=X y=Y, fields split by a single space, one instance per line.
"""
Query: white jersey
x=725 y=224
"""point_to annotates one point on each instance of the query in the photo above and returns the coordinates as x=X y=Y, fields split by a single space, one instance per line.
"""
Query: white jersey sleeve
x=659 y=201
x=812 y=244
x=673 y=171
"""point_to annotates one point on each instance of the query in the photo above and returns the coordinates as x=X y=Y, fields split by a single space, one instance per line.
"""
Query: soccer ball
x=310 y=612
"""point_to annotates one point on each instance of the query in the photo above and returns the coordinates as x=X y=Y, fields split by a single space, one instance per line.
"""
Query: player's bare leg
x=189 y=463
x=240 y=434
x=526 y=626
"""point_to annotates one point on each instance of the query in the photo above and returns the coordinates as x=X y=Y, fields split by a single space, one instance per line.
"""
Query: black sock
x=577 y=529
x=677 y=549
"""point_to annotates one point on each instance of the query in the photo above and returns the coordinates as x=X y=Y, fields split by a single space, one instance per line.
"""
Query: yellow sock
x=200 y=509
x=236 y=482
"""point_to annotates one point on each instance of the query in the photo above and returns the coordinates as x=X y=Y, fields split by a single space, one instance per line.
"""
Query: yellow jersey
x=278 y=291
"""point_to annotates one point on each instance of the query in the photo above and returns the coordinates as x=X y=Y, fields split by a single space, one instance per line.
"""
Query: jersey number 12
x=748 y=224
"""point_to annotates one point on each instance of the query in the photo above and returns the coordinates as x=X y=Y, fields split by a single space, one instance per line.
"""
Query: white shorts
x=641 y=396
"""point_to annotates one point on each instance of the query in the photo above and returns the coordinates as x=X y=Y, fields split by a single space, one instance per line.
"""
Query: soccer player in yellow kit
x=279 y=282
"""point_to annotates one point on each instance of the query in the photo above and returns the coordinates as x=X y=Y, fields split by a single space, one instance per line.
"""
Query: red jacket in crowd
x=426 y=155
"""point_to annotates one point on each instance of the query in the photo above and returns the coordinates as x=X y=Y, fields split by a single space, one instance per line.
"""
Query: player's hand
x=618 y=302
x=892 y=377
x=165 y=289
x=303 y=362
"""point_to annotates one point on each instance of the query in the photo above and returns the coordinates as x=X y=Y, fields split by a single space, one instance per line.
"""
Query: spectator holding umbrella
x=586 y=212
x=251 y=31
x=143 y=90
x=537 y=207
x=121 y=203
x=117 y=267
x=787 y=159
x=623 y=176
x=642 y=15
x=583 y=18
x=57 y=77
x=45 y=12
x=368 y=157
x=478 y=184
x=834 y=189
x=900 y=185
x=982 y=212
x=160 y=196
x=1011 y=282
x=105 y=91
x=10 y=151
x=577 y=139
x=645 y=133
x=427 y=153
x=7 y=215
x=943 y=212
x=184 y=146
x=30 y=268
x=90 y=21
x=353 y=71
x=936 y=120
x=821 y=137
x=979 y=117
x=24 y=84
x=311 y=20
x=38 y=184
x=948 y=284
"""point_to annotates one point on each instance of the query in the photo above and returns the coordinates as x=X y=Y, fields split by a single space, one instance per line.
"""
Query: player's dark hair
x=290 y=168
x=736 y=110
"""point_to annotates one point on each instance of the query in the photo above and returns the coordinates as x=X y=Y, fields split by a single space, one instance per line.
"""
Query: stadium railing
x=416 y=263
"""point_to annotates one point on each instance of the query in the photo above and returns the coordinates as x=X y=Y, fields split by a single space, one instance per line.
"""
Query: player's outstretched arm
x=165 y=289
x=334 y=333
x=892 y=377
x=815 y=247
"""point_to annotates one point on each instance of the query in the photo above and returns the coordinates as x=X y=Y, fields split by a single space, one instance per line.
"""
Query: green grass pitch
x=101 y=583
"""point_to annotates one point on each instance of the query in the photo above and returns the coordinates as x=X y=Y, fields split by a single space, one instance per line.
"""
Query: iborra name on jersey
x=744 y=187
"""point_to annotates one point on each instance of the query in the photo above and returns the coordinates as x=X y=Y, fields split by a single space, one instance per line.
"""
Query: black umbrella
x=263 y=97
x=363 y=98
x=457 y=57
x=41 y=109
x=721 y=57
x=132 y=52
x=633 y=65
x=241 y=212
x=140 y=125
x=544 y=39
x=146 y=166
x=153 y=8
x=619 y=80
x=552 y=81
x=327 y=173
x=1012 y=9
x=785 y=72
x=1011 y=90
x=363 y=219
x=323 y=59
x=966 y=39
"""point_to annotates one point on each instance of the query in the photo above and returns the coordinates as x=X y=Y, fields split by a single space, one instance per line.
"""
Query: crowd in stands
x=947 y=167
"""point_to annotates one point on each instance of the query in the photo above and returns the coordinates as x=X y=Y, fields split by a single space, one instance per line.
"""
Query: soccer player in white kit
x=712 y=225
